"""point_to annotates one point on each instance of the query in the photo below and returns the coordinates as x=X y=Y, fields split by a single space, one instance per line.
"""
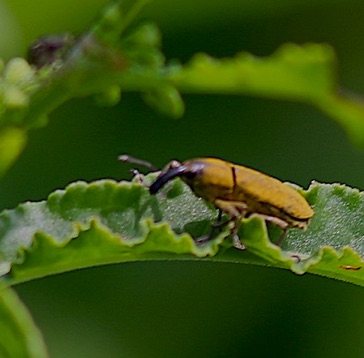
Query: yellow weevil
x=237 y=191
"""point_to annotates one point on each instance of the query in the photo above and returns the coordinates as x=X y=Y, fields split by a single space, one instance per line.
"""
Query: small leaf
x=18 y=72
x=12 y=141
x=19 y=336
x=166 y=100
x=110 y=97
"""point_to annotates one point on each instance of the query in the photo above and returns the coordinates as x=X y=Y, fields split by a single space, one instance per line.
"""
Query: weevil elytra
x=238 y=191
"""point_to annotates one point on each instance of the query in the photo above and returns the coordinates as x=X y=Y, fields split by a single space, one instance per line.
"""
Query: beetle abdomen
x=263 y=189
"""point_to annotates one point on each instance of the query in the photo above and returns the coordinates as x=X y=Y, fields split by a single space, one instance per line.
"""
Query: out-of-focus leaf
x=12 y=141
x=113 y=57
x=304 y=73
x=19 y=336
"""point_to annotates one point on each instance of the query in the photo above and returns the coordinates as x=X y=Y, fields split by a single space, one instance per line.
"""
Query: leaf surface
x=105 y=222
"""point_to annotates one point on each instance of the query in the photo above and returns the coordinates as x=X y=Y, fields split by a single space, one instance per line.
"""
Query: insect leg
x=281 y=238
x=236 y=239
x=138 y=177
x=237 y=211
x=277 y=222
x=126 y=158
x=217 y=225
x=214 y=226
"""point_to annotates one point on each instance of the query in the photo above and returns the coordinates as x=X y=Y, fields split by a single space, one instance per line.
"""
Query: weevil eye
x=189 y=174
x=193 y=169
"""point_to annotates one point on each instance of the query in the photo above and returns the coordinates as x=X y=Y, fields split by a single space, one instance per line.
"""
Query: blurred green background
x=189 y=309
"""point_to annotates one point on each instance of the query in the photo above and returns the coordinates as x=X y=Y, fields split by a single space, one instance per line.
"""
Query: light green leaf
x=107 y=222
x=107 y=58
x=19 y=336
x=12 y=141
x=304 y=73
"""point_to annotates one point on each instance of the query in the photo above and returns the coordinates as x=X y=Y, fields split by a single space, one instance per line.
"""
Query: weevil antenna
x=166 y=177
x=126 y=158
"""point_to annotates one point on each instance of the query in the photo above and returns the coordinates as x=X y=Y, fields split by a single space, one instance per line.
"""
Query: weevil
x=237 y=191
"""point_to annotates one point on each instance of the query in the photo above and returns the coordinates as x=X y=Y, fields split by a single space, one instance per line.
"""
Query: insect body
x=239 y=191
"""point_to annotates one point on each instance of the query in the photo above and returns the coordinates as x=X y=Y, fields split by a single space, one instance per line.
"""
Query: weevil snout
x=187 y=171
x=165 y=176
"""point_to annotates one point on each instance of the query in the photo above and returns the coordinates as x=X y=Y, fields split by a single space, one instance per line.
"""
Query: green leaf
x=19 y=336
x=63 y=68
x=166 y=100
x=114 y=56
x=107 y=222
x=12 y=141
x=304 y=73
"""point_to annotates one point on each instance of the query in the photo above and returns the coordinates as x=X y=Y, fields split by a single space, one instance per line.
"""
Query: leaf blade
x=109 y=222
x=19 y=336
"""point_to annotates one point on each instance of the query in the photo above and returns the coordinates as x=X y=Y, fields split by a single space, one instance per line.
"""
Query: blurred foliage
x=19 y=336
x=171 y=304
